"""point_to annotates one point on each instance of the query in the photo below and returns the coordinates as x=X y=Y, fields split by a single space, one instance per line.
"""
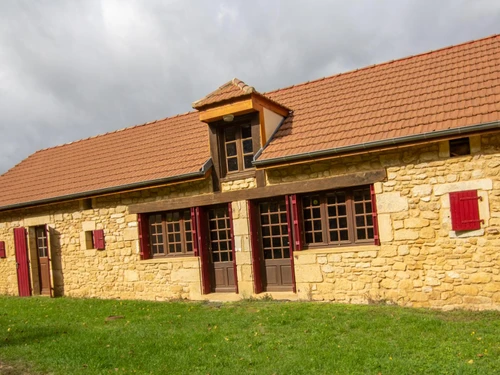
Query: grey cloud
x=74 y=69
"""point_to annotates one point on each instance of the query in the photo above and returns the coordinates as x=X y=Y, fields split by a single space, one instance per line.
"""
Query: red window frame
x=353 y=220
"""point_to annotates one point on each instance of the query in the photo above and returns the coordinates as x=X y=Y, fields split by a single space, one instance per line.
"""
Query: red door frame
x=230 y=213
x=201 y=224
x=22 y=262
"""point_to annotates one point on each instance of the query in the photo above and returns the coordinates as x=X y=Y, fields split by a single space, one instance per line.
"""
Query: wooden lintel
x=237 y=108
x=299 y=187
x=260 y=101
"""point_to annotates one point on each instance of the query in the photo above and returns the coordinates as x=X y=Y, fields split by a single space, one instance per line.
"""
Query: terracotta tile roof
x=445 y=89
x=153 y=151
x=230 y=90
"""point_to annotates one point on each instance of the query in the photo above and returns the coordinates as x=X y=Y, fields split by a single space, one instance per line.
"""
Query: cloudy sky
x=71 y=69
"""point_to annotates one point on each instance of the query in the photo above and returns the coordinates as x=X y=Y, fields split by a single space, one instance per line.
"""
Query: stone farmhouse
x=376 y=185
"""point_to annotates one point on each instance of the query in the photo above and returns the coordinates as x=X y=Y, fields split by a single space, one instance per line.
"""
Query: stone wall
x=117 y=271
x=420 y=262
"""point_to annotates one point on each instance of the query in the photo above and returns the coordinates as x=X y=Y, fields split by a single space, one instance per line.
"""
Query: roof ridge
x=382 y=64
x=108 y=133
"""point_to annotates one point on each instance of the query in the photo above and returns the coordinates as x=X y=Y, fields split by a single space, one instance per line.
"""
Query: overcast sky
x=74 y=69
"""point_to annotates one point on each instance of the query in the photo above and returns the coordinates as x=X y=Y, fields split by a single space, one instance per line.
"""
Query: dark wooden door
x=22 y=262
x=275 y=242
x=221 y=252
x=42 y=247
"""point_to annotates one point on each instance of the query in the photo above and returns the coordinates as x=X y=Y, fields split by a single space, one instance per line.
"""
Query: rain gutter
x=114 y=189
x=382 y=143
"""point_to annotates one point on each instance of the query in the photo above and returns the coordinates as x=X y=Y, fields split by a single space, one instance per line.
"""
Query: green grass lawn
x=76 y=336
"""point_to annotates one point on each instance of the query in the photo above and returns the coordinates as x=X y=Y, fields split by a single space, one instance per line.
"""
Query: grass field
x=76 y=336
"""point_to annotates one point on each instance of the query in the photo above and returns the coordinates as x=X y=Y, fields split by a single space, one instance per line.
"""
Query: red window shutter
x=202 y=225
x=464 y=207
x=376 y=238
x=99 y=239
x=2 y=250
x=194 y=231
x=230 y=212
x=23 y=269
x=255 y=243
x=143 y=223
x=296 y=222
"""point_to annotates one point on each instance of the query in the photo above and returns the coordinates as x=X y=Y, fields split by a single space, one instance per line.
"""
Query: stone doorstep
x=233 y=297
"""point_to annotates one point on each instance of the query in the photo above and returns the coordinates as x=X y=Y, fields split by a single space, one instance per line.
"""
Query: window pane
x=232 y=164
x=224 y=257
x=246 y=132
x=277 y=254
x=248 y=161
x=268 y=254
x=361 y=234
x=230 y=134
x=318 y=237
x=230 y=149
x=360 y=221
x=247 y=146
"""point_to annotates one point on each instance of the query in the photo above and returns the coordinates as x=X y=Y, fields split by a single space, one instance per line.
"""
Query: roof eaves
x=114 y=189
x=369 y=146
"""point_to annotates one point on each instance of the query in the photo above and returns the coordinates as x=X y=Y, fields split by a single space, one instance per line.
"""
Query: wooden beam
x=237 y=108
x=261 y=101
x=299 y=187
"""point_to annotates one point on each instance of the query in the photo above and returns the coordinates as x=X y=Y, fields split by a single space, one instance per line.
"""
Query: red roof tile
x=454 y=87
x=153 y=151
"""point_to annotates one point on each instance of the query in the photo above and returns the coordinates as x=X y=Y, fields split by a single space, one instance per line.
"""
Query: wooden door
x=276 y=253
x=220 y=250
x=42 y=249
x=22 y=262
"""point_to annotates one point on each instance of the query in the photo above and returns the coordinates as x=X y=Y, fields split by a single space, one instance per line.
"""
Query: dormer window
x=238 y=146
x=240 y=122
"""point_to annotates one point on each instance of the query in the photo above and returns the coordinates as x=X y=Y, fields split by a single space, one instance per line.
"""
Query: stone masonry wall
x=421 y=261
x=117 y=271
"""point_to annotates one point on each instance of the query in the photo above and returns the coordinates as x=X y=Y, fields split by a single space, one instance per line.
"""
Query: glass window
x=338 y=217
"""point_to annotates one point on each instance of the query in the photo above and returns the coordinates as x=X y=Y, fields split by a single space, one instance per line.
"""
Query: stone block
x=385 y=228
x=427 y=233
x=37 y=220
x=130 y=234
x=309 y=273
x=419 y=297
x=389 y=284
x=327 y=268
x=343 y=284
x=469 y=290
x=305 y=258
x=399 y=266
x=240 y=227
x=185 y=275
x=388 y=251
x=391 y=202
x=480 y=278
x=483 y=184
x=130 y=275
x=88 y=225
x=416 y=223
x=422 y=190
x=405 y=234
